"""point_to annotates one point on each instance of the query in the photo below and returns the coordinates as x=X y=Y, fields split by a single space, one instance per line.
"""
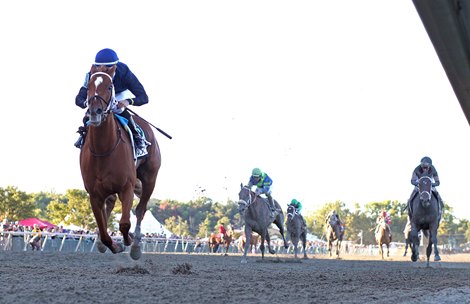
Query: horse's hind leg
x=268 y=240
x=279 y=223
x=304 y=244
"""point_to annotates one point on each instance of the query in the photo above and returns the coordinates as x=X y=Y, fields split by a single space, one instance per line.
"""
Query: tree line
x=202 y=216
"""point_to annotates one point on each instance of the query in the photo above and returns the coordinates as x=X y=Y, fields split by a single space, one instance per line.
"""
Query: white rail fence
x=66 y=242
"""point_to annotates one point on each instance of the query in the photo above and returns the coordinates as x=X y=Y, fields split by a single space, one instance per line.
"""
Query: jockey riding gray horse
x=296 y=229
x=257 y=215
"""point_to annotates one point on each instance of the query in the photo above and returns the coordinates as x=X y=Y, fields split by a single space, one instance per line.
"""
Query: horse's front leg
x=126 y=197
x=414 y=244
x=433 y=238
x=248 y=232
x=97 y=205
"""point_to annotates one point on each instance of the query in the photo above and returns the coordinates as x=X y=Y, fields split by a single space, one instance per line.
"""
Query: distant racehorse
x=296 y=229
x=253 y=242
x=425 y=216
x=334 y=234
x=383 y=237
x=108 y=167
x=215 y=240
x=256 y=213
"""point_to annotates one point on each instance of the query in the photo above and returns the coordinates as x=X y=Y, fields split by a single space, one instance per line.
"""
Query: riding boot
x=271 y=204
x=81 y=139
x=139 y=142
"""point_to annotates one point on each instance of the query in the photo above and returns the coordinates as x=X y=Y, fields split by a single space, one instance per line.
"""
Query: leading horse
x=383 y=236
x=296 y=229
x=256 y=213
x=425 y=215
x=108 y=166
x=334 y=234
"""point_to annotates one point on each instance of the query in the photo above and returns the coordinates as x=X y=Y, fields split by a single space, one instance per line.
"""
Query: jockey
x=425 y=168
x=263 y=186
x=336 y=216
x=222 y=231
x=384 y=216
x=298 y=208
x=129 y=91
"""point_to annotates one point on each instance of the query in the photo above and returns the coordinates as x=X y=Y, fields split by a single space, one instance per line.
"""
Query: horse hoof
x=437 y=258
x=101 y=247
x=135 y=252
x=272 y=251
x=243 y=261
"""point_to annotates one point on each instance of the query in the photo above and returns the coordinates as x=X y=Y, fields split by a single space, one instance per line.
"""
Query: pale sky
x=335 y=100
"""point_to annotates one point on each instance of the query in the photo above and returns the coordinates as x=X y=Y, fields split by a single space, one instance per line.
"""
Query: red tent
x=31 y=221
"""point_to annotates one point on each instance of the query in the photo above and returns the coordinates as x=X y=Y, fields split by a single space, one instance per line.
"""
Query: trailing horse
x=215 y=240
x=425 y=215
x=383 y=237
x=253 y=242
x=108 y=167
x=296 y=229
x=334 y=234
x=255 y=212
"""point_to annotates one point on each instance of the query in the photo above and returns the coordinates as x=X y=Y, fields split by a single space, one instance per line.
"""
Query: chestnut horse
x=383 y=237
x=254 y=239
x=215 y=240
x=108 y=167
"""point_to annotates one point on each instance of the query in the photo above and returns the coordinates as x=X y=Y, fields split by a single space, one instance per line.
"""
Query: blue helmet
x=106 y=57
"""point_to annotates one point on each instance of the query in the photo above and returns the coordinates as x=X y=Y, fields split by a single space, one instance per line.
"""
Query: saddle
x=125 y=124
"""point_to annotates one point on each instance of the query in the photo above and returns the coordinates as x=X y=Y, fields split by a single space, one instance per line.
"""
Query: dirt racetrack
x=41 y=277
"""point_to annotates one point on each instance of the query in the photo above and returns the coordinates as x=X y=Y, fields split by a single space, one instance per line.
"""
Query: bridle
x=244 y=204
x=109 y=106
x=112 y=99
x=291 y=214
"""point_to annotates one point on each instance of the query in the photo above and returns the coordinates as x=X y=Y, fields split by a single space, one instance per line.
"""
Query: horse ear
x=241 y=185
x=112 y=71
x=93 y=69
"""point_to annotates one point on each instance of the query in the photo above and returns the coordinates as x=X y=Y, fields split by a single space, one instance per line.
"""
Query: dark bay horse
x=383 y=237
x=425 y=215
x=255 y=212
x=215 y=240
x=108 y=167
x=296 y=229
x=334 y=234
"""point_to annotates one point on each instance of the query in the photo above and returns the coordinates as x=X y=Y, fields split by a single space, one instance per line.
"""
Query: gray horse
x=254 y=210
x=296 y=229
x=334 y=233
x=425 y=215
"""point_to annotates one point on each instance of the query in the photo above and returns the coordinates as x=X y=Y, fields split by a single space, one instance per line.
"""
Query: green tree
x=80 y=212
x=177 y=226
x=316 y=220
x=15 y=204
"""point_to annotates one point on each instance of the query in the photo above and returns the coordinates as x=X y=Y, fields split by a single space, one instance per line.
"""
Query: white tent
x=149 y=224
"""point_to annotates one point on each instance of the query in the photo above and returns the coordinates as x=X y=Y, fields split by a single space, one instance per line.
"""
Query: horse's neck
x=104 y=136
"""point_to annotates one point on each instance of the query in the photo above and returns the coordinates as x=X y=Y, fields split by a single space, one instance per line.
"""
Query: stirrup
x=78 y=144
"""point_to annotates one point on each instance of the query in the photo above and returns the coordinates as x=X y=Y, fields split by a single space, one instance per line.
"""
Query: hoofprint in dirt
x=37 y=277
